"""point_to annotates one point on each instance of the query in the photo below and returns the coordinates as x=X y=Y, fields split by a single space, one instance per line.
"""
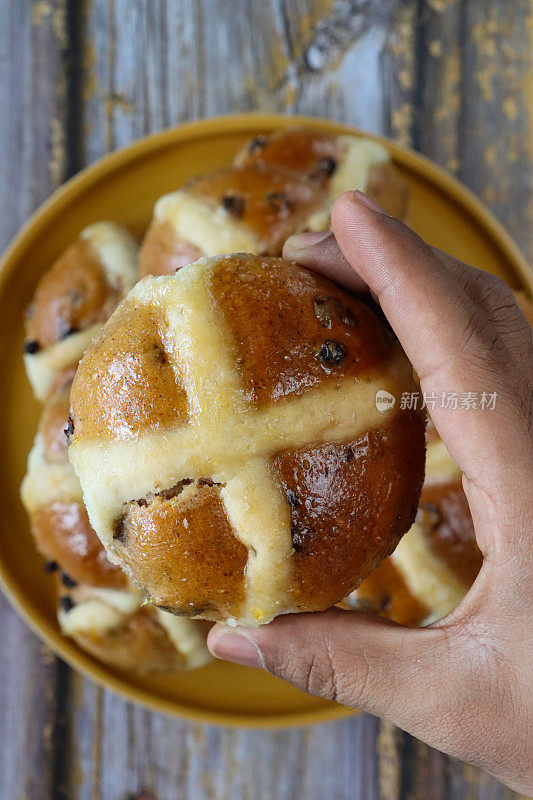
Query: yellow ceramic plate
x=123 y=187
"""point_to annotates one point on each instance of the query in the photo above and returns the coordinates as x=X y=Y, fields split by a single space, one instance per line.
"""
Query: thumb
x=353 y=658
x=423 y=680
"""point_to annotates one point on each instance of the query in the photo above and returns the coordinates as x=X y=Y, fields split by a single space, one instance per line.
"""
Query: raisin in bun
x=74 y=298
x=227 y=438
x=437 y=560
x=254 y=208
x=337 y=163
x=114 y=627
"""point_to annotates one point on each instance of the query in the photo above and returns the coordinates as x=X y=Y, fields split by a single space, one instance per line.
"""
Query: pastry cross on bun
x=98 y=607
x=439 y=557
x=254 y=208
x=114 y=627
x=52 y=496
x=337 y=163
x=227 y=438
x=74 y=298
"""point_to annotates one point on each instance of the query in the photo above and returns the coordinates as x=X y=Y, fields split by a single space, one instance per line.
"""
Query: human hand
x=463 y=684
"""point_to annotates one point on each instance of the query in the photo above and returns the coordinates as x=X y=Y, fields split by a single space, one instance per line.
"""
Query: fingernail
x=301 y=242
x=367 y=201
x=234 y=645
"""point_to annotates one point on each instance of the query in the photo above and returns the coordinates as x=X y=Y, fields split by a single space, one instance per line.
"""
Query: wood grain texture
x=77 y=79
x=33 y=86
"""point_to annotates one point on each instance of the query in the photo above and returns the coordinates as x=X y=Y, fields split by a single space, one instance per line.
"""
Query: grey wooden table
x=451 y=78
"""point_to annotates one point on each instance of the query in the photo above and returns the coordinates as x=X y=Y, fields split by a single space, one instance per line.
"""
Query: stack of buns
x=97 y=605
x=227 y=394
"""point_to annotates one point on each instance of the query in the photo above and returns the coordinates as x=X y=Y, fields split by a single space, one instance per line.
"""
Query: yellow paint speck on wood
x=509 y=108
x=41 y=10
x=389 y=765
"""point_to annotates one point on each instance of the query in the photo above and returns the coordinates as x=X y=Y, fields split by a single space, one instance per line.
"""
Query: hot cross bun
x=254 y=208
x=52 y=496
x=337 y=163
x=227 y=437
x=116 y=628
x=74 y=298
x=97 y=605
x=437 y=560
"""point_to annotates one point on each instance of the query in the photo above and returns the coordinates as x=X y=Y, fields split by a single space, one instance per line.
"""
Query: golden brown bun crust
x=53 y=423
x=73 y=294
x=300 y=149
x=281 y=333
x=271 y=202
x=125 y=384
x=294 y=329
x=63 y=533
x=140 y=645
x=61 y=529
x=350 y=504
x=386 y=593
x=162 y=253
x=185 y=554
x=449 y=528
x=317 y=155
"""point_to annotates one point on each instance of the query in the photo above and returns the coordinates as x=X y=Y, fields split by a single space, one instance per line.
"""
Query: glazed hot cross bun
x=439 y=557
x=337 y=163
x=74 y=298
x=116 y=628
x=52 y=496
x=437 y=560
x=226 y=434
x=98 y=607
x=254 y=208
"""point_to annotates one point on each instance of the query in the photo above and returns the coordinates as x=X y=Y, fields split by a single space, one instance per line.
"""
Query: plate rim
x=99 y=170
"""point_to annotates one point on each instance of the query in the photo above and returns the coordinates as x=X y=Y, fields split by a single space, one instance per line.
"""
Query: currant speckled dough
x=52 y=496
x=74 y=298
x=227 y=439
x=337 y=163
x=253 y=209
x=437 y=560
x=117 y=629
x=98 y=606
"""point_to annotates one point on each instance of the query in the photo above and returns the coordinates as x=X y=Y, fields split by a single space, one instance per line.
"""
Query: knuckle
x=496 y=305
x=481 y=344
x=318 y=672
x=316 y=675
x=481 y=285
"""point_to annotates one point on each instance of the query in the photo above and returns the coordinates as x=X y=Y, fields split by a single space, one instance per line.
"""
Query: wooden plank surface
x=451 y=78
x=33 y=76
